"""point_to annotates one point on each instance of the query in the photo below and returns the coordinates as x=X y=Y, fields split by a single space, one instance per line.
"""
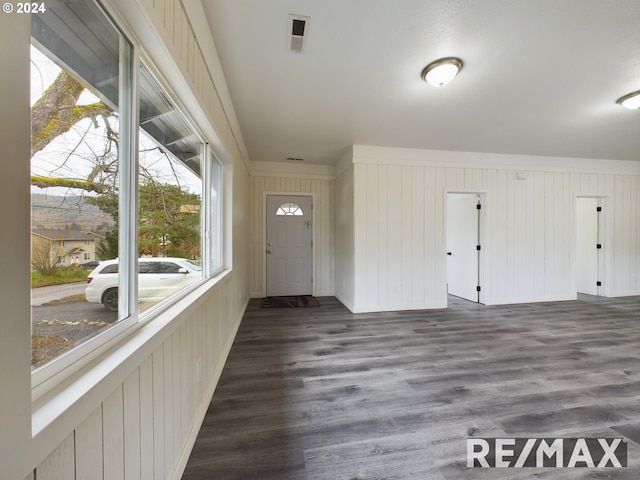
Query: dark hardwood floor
x=320 y=393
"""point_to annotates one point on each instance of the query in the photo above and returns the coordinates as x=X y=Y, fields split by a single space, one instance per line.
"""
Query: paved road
x=69 y=312
x=43 y=295
x=73 y=320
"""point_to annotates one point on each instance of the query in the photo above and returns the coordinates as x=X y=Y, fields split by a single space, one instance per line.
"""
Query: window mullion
x=128 y=198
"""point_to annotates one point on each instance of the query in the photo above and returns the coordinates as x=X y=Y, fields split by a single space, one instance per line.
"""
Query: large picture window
x=114 y=204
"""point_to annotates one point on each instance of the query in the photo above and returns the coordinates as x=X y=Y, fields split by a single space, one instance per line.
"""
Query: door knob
x=269 y=250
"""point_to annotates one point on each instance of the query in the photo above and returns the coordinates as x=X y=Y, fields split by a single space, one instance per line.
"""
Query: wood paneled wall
x=345 y=269
x=323 y=251
x=399 y=227
x=141 y=429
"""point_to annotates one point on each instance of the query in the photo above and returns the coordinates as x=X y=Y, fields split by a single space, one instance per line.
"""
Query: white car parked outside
x=157 y=279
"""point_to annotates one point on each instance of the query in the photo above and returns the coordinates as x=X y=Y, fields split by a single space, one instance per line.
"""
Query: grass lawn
x=63 y=275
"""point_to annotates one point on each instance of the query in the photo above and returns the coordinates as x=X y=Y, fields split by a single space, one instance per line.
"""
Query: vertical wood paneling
x=170 y=450
x=146 y=418
x=148 y=4
x=432 y=204
x=359 y=226
x=499 y=279
x=169 y=9
x=60 y=464
x=531 y=233
x=524 y=226
x=515 y=206
x=547 y=223
x=417 y=253
x=635 y=232
x=394 y=239
x=539 y=235
x=405 y=236
x=88 y=447
x=113 y=435
x=184 y=40
x=439 y=278
x=621 y=259
x=137 y=431
x=132 y=433
x=561 y=248
x=185 y=401
x=372 y=236
x=627 y=240
x=158 y=9
x=158 y=376
x=383 y=235
x=177 y=387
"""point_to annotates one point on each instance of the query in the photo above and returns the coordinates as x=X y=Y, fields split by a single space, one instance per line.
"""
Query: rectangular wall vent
x=297 y=31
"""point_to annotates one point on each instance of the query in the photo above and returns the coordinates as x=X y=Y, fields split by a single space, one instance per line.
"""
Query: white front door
x=462 y=245
x=289 y=245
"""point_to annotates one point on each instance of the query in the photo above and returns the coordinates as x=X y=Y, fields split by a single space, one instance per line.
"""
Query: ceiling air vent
x=298 y=28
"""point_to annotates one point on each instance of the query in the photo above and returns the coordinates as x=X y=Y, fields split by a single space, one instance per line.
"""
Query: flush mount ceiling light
x=442 y=71
x=630 y=101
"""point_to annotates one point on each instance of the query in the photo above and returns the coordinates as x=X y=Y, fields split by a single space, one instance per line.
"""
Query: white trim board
x=442 y=158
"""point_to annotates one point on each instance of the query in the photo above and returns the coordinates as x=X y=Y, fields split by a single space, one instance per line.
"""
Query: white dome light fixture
x=442 y=71
x=630 y=101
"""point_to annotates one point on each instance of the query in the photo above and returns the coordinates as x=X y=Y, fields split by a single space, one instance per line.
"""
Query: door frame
x=484 y=238
x=607 y=237
x=263 y=290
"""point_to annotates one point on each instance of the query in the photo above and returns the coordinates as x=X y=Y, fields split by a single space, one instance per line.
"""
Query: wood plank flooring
x=323 y=394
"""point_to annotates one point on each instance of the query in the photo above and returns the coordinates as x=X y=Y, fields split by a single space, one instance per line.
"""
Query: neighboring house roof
x=65 y=235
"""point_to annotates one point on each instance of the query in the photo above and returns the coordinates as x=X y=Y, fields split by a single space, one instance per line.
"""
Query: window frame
x=67 y=363
x=212 y=225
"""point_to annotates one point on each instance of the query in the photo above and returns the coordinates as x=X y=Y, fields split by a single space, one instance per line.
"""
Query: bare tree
x=58 y=110
x=53 y=115
x=44 y=255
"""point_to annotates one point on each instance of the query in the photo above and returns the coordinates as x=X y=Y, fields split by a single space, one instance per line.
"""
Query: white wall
x=345 y=246
x=399 y=225
x=322 y=188
x=135 y=413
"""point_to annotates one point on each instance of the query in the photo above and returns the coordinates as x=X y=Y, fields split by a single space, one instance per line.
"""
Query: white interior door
x=587 y=245
x=462 y=242
x=289 y=245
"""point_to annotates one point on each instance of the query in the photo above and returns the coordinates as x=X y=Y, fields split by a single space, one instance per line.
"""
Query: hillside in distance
x=59 y=212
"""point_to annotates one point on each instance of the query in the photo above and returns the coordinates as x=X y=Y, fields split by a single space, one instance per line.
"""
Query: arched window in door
x=289 y=209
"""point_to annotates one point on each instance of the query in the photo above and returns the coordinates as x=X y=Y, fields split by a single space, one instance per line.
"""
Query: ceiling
x=540 y=77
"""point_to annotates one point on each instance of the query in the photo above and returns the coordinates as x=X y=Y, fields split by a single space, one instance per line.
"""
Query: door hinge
x=479 y=206
x=598 y=209
x=598 y=283
x=598 y=246
x=478 y=247
x=478 y=288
